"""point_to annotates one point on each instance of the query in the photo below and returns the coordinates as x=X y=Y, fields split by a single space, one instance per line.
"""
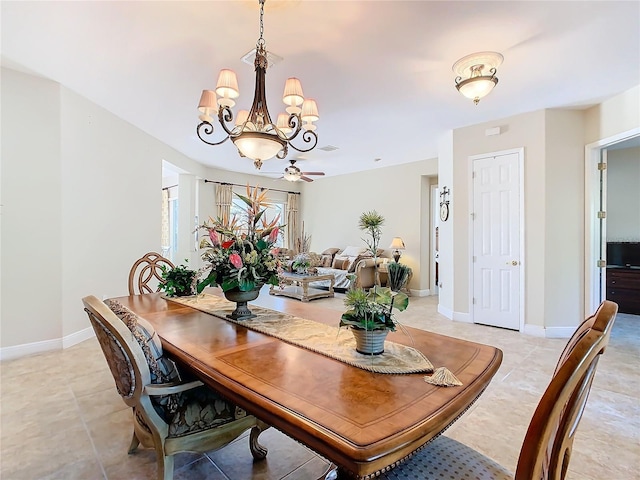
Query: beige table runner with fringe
x=332 y=342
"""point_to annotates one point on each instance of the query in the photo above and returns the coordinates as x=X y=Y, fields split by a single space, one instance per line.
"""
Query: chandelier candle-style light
x=477 y=74
x=253 y=132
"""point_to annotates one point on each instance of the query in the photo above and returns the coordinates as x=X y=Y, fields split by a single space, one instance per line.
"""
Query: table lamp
x=397 y=244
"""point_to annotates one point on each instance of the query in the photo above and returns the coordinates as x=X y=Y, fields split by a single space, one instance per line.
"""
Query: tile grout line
x=86 y=428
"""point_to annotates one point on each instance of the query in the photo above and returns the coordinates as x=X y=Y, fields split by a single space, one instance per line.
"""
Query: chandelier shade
x=477 y=74
x=253 y=132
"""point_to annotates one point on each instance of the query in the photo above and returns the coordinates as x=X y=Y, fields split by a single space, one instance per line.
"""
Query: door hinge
x=473 y=174
x=601 y=263
x=473 y=259
x=473 y=216
x=473 y=300
x=602 y=166
x=602 y=214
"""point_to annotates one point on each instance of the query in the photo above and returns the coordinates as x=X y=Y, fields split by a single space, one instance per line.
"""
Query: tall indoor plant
x=371 y=222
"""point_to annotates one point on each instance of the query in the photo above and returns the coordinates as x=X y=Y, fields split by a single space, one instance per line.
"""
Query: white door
x=496 y=262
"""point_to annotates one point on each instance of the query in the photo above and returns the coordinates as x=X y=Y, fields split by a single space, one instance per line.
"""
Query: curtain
x=293 y=220
x=224 y=195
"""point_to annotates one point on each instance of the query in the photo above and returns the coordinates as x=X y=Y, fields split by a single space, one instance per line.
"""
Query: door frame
x=593 y=291
x=521 y=205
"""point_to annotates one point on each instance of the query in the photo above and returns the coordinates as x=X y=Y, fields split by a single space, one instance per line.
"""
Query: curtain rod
x=238 y=185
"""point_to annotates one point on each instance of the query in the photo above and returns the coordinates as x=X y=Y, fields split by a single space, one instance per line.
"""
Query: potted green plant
x=371 y=222
x=301 y=263
x=398 y=273
x=178 y=281
x=370 y=316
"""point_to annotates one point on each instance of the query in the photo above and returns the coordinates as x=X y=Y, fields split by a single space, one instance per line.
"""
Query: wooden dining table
x=362 y=422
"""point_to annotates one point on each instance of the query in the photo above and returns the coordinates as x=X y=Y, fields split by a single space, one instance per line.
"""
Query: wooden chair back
x=145 y=275
x=547 y=446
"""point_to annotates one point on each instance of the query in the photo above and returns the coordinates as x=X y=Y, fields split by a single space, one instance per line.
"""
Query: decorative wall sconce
x=477 y=74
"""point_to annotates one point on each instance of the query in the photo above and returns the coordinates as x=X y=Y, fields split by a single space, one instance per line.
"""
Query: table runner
x=332 y=342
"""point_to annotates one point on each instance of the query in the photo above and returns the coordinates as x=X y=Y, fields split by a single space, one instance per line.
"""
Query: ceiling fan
x=293 y=173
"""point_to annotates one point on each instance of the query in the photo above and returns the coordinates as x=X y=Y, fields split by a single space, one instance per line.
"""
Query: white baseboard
x=445 y=311
x=420 y=293
x=77 y=337
x=534 y=330
x=17 y=351
x=559 y=332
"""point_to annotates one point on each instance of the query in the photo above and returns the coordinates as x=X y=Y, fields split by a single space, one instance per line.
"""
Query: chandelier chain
x=261 y=39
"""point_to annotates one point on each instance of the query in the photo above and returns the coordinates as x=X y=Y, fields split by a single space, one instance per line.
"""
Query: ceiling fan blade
x=306 y=179
x=312 y=173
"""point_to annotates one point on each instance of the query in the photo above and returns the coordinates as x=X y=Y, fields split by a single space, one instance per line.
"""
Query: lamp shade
x=208 y=101
x=397 y=244
x=477 y=87
x=293 y=95
x=242 y=117
x=309 y=110
x=227 y=86
x=283 y=124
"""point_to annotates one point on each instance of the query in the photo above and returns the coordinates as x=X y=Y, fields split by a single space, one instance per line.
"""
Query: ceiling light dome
x=477 y=74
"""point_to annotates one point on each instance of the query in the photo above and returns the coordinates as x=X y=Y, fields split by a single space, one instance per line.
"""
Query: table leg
x=333 y=279
x=305 y=291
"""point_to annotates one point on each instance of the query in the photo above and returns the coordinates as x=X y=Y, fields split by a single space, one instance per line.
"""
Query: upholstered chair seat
x=546 y=449
x=170 y=414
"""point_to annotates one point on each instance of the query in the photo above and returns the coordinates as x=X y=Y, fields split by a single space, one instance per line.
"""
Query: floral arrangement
x=240 y=251
x=301 y=262
x=373 y=310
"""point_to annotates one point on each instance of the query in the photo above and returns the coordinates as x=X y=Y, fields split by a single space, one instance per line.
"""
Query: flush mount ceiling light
x=477 y=74
x=253 y=132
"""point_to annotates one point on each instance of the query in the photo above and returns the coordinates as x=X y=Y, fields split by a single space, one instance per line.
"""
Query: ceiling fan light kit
x=253 y=132
x=293 y=174
x=476 y=74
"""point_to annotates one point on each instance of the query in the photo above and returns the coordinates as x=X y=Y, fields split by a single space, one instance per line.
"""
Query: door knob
x=515 y=263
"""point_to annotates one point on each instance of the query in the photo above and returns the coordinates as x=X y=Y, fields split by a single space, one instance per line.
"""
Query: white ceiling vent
x=328 y=148
x=272 y=58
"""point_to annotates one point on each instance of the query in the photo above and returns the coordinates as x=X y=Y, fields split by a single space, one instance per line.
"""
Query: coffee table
x=295 y=285
x=361 y=421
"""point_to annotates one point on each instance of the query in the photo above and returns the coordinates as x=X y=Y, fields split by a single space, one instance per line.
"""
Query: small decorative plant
x=179 y=281
x=373 y=310
x=301 y=262
x=398 y=274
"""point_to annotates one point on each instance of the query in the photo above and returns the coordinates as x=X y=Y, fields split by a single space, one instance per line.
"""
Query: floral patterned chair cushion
x=186 y=412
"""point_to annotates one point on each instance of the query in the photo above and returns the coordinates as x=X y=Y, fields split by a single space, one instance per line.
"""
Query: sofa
x=346 y=264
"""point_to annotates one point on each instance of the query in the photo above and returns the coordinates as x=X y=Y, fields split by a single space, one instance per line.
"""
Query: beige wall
x=80 y=203
x=613 y=116
x=526 y=130
x=331 y=208
x=623 y=195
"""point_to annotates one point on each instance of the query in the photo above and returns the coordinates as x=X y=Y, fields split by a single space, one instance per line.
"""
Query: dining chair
x=146 y=273
x=169 y=415
x=546 y=450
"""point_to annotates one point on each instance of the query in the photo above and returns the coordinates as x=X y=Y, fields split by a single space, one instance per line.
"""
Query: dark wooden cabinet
x=623 y=287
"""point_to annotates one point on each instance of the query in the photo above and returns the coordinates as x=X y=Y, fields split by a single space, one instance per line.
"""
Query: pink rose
x=215 y=240
x=273 y=236
x=235 y=260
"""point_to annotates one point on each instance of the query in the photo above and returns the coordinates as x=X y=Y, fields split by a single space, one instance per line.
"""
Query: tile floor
x=61 y=417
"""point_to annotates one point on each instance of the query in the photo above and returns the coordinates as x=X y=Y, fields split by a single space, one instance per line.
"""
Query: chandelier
x=253 y=132
x=472 y=80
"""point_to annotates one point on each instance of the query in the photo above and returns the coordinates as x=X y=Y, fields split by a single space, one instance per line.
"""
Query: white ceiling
x=379 y=70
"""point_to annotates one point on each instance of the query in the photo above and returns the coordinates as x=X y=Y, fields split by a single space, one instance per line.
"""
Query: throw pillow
x=325 y=260
x=330 y=251
x=352 y=266
x=340 y=263
x=162 y=369
x=353 y=251
x=315 y=259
